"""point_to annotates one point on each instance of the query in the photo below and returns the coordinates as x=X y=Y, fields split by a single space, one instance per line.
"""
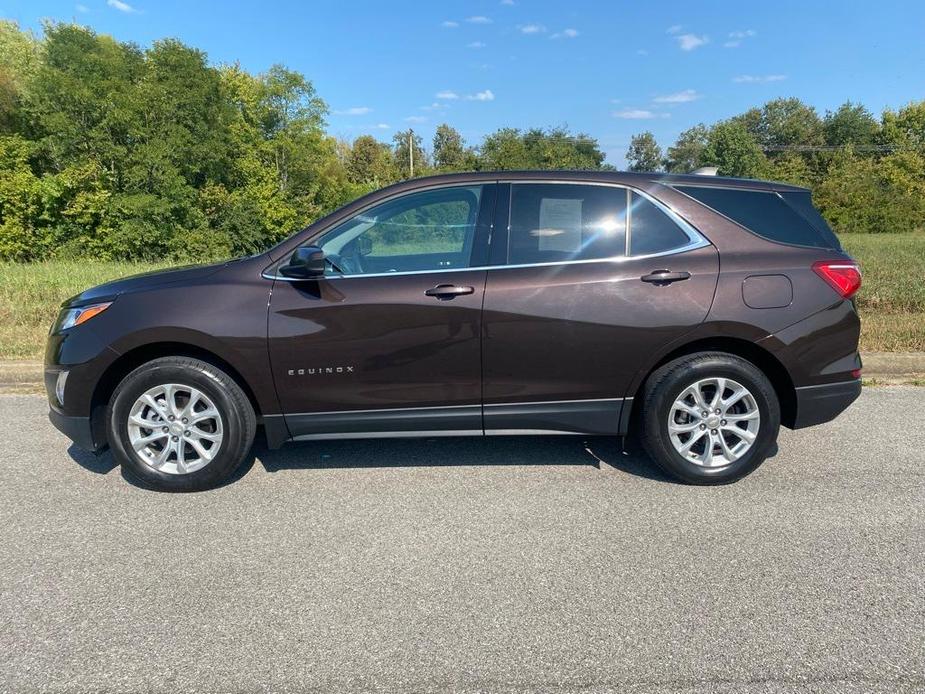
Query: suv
x=703 y=312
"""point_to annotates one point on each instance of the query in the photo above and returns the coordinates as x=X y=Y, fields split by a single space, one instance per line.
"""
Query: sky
x=610 y=68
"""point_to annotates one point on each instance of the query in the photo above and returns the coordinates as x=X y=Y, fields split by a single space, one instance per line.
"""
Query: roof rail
x=706 y=171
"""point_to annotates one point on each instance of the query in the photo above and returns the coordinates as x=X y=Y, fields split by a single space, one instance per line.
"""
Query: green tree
x=850 y=124
x=403 y=144
x=370 y=162
x=686 y=154
x=555 y=148
x=644 y=154
x=905 y=128
x=731 y=148
x=450 y=153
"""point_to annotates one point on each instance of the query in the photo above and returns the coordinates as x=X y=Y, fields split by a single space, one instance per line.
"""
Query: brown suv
x=706 y=311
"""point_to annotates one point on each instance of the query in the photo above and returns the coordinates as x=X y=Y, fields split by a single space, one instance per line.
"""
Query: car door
x=388 y=342
x=596 y=278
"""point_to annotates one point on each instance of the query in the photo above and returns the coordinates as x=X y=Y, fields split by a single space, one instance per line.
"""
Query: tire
x=219 y=429
x=669 y=398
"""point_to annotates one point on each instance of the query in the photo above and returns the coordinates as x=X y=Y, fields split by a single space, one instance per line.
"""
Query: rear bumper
x=823 y=403
x=77 y=429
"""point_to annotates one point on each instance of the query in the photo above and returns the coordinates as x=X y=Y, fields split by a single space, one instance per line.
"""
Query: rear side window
x=766 y=214
x=803 y=203
x=552 y=223
x=651 y=230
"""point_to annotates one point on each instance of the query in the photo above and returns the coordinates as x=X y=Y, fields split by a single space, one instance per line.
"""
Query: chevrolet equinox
x=703 y=312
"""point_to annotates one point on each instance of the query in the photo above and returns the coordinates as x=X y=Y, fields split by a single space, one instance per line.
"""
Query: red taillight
x=844 y=277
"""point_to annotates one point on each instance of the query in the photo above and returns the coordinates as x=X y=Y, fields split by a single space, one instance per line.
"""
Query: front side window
x=430 y=230
x=553 y=223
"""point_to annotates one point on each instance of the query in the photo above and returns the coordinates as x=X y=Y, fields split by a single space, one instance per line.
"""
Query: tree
x=905 y=128
x=556 y=148
x=731 y=148
x=370 y=162
x=450 y=153
x=402 y=143
x=850 y=124
x=687 y=153
x=787 y=123
x=644 y=154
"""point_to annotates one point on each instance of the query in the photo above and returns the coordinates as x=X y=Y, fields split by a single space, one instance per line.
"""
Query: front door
x=389 y=340
x=579 y=307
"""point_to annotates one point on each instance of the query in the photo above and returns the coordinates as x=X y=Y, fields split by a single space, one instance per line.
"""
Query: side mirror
x=306 y=263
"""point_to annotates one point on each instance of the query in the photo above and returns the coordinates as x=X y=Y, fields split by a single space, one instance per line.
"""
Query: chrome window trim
x=697 y=240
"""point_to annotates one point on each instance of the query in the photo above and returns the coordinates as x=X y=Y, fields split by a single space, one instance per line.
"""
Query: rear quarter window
x=768 y=214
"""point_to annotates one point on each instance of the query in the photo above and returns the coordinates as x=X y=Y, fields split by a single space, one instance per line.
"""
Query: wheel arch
x=763 y=359
x=132 y=359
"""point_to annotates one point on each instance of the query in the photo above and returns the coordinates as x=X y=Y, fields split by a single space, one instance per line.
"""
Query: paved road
x=465 y=564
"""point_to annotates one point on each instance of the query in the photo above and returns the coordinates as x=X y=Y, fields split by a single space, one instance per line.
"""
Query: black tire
x=238 y=421
x=667 y=383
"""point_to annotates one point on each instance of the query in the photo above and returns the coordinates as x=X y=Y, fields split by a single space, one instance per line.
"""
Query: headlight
x=70 y=317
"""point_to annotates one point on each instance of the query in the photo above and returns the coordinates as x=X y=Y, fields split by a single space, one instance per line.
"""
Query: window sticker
x=560 y=225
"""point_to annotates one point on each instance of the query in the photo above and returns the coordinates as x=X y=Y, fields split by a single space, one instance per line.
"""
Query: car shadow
x=599 y=452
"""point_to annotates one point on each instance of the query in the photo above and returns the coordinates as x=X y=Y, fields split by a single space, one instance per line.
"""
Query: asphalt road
x=468 y=564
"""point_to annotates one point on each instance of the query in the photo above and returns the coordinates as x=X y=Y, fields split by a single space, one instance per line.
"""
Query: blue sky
x=609 y=68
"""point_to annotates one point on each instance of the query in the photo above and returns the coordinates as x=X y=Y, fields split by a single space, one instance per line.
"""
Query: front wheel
x=709 y=418
x=180 y=424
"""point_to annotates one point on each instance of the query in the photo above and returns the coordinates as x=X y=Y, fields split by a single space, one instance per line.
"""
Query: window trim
x=697 y=240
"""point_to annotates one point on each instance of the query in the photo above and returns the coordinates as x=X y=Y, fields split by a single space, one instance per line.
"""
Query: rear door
x=596 y=278
x=389 y=340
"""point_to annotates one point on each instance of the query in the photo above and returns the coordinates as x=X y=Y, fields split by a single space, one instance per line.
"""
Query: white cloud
x=565 y=34
x=121 y=6
x=758 y=79
x=449 y=24
x=447 y=95
x=475 y=44
x=689 y=42
x=674 y=29
x=354 y=111
x=416 y=119
x=639 y=114
x=736 y=38
x=479 y=19
x=434 y=107
x=531 y=28
x=487 y=95
x=383 y=126
x=681 y=97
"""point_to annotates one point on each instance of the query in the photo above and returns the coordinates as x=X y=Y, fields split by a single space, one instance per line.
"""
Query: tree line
x=866 y=174
x=113 y=151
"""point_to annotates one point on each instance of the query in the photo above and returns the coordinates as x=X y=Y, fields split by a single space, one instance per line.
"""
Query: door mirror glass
x=305 y=263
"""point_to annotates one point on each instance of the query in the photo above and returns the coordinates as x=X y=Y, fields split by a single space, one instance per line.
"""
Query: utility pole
x=411 y=150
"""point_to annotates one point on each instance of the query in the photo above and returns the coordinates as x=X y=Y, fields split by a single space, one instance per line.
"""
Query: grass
x=892 y=300
x=30 y=296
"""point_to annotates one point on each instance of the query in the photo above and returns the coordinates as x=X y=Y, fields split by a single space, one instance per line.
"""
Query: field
x=892 y=300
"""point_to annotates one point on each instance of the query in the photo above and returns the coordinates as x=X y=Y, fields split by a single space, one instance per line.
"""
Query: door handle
x=448 y=291
x=665 y=276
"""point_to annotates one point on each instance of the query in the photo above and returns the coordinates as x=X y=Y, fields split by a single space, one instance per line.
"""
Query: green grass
x=892 y=297
x=30 y=296
x=892 y=300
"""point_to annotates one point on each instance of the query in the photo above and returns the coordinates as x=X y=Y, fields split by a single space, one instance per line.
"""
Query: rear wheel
x=180 y=424
x=709 y=418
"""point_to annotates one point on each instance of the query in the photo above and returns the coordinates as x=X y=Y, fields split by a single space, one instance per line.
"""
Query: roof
x=623 y=177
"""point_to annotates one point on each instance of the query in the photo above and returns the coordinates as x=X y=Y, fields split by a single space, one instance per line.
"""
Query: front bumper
x=823 y=403
x=77 y=429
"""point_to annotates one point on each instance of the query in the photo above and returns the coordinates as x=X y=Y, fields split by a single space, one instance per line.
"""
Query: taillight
x=843 y=277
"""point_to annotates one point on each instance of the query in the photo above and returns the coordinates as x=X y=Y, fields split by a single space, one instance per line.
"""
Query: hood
x=144 y=280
